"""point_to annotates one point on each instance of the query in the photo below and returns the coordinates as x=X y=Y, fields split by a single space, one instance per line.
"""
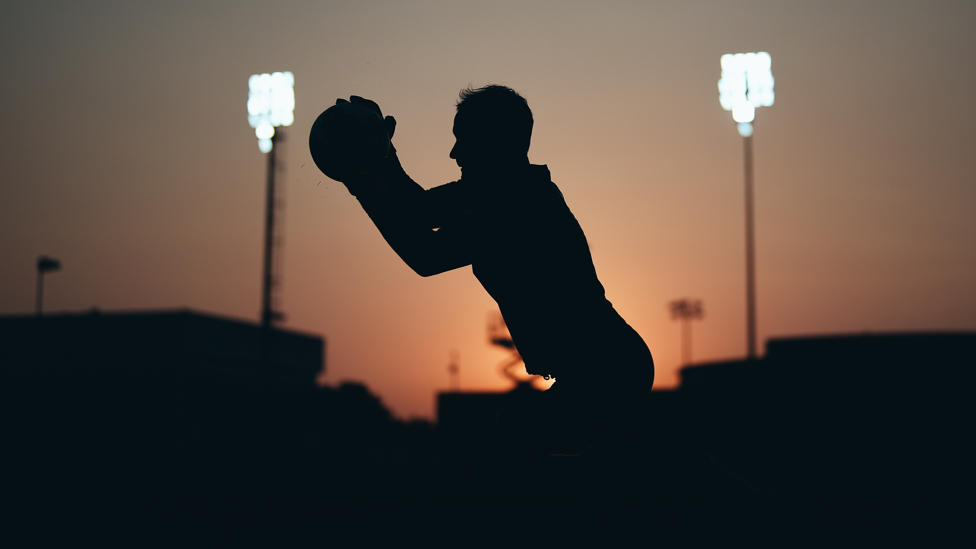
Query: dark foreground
x=136 y=460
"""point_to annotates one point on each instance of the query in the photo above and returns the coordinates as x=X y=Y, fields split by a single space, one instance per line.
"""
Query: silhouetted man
x=509 y=221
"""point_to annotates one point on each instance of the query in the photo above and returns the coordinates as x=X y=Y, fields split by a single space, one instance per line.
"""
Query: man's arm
x=407 y=215
x=408 y=218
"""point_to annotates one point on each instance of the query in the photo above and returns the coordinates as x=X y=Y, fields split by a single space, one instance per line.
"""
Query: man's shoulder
x=541 y=180
x=540 y=171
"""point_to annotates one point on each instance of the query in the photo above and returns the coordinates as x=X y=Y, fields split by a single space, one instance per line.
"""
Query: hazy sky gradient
x=127 y=155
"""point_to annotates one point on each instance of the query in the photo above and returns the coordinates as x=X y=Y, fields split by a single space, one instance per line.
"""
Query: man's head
x=493 y=126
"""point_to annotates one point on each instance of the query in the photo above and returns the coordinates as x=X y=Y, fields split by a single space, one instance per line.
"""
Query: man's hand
x=371 y=181
x=374 y=180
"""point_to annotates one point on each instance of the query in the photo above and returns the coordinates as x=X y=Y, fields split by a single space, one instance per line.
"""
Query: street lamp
x=686 y=310
x=746 y=84
x=44 y=264
x=270 y=103
x=453 y=370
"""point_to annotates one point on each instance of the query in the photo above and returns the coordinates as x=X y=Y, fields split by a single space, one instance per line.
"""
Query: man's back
x=531 y=256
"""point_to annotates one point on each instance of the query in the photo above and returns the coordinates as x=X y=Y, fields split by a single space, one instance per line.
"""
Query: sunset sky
x=126 y=154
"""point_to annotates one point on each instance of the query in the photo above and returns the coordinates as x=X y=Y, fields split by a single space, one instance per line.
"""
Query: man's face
x=463 y=145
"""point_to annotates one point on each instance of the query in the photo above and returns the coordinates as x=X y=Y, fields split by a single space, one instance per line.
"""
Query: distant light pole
x=44 y=264
x=270 y=103
x=747 y=83
x=686 y=310
x=453 y=370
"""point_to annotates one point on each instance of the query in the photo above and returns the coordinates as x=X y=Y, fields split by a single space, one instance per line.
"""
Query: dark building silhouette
x=162 y=404
x=160 y=341
x=869 y=413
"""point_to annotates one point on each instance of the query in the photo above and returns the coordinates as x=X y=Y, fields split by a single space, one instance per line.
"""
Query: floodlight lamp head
x=743 y=111
x=270 y=103
x=264 y=131
x=746 y=83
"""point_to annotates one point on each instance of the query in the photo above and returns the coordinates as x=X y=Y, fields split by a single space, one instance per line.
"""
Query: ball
x=348 y=140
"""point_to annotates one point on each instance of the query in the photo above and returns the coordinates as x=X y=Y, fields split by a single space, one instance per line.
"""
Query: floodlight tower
x=270 y=103
x=747 y=83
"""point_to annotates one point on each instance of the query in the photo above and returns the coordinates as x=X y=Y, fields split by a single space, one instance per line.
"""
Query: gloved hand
x=372 y=183
x=388 y=122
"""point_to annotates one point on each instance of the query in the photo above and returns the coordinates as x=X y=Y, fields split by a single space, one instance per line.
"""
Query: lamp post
x=44 y=264
x=747 y=83
x=686 y=310
x=270 y=103
x=453 y=370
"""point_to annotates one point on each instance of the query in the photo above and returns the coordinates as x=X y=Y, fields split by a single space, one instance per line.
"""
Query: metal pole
x=686 y=341
x=750 y=256
x=40 y=290
x=267 y=314
x=453 y=370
